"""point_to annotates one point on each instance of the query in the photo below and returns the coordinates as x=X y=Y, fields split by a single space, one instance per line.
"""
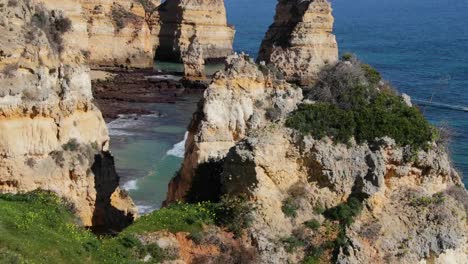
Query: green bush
x=311 y=260
x=353 y=103
x=312 y=224
x=313 y=255
x=289 y=207
x=386 y=115
x=291 y=243
x=347 y=56
x=345 y=212
x=322 y=120
x=71 y=145
x=425 y=201
x=372 y=75
x=234 y=213
x=319 y=209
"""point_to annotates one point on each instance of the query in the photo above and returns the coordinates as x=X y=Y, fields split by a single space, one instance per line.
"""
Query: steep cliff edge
x=325 y=196
x=236 y=101
x=52 y=136
x=300 y=40
x=121 y=32
x=182 y=19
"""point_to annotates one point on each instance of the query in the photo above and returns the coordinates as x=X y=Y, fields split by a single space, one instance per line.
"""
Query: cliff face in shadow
x=51 y=133
x=181 y=20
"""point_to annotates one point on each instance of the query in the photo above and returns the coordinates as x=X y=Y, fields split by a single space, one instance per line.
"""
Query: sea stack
x=180 y=20
x=300 y=40
x=121 y=32
x=194 y=64
x=52 y=137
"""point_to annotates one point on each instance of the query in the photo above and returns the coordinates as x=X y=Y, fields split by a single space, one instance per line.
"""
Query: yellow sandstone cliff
x=180 y=20
x=300 y=40
x=52 y=137
x=120 y=32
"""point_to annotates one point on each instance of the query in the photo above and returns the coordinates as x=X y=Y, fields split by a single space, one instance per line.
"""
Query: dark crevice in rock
x=206 y=183
x=107 y=218
x=170 y=32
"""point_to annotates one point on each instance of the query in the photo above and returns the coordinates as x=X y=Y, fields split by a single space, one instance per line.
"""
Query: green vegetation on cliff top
x=351 y=101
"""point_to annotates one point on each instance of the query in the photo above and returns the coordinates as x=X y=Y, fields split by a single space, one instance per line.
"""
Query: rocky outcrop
x=52 y=136
x=194 y=64
x=238 y=100
x=182 y=19
x=121 y=32
x=410 y=210
x=400 y=222
x=300 y=40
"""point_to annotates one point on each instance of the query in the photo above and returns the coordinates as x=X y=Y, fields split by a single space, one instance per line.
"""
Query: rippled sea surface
x=148 y=150
x=420 y=46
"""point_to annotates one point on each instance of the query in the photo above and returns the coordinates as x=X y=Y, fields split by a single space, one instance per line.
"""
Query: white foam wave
x=130 y=185
x=129 y=125
x=164 y=77
x=146 y=209
x=178 y=150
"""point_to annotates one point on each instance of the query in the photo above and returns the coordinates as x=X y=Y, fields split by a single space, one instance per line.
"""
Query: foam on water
x=130 y=185
x=179 y=149
x=146 y=209
x=129 y=125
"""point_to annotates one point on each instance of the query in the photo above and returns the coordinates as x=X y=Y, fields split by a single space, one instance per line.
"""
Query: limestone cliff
x=121 y=32
x=52 y=137
x=304 y=189
x=300 y=40
x=180 y=20
x=238 y=100
x=194 y=64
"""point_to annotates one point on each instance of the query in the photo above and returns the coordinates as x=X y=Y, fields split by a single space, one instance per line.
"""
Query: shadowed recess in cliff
x=206 y=183
x=169 y=33
x=180 y=20
x=106 y=217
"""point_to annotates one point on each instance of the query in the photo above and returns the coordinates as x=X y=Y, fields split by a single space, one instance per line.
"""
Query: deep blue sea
x=420 y=46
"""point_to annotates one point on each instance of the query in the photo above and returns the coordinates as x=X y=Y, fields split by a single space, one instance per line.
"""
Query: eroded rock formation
x=194 y=64
x=237 y=101
x=182 y=19
x=52 y=137
x=300 y=40
x=413 y=210
x=121 y=33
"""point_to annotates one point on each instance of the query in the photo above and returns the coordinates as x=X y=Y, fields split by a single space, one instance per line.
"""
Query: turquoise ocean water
x=420 y=46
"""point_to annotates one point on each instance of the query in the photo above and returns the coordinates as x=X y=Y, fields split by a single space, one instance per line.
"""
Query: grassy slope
x=39 y=228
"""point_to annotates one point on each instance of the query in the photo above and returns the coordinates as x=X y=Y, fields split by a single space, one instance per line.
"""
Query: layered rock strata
x=181 y=20
x=52 y=137
x=413 y=210
x=300 y=40
x=121 y=33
